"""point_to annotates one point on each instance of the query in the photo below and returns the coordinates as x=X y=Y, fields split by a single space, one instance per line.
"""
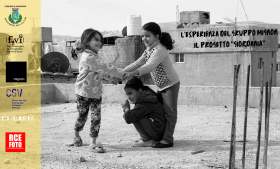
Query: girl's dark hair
x=136 y=84
x=164 y=37
x=87 y=35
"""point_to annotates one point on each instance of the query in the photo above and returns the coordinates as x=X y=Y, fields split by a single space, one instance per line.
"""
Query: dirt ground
x=198 y=127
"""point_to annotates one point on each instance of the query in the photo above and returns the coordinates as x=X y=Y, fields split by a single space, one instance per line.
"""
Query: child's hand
x=129 y=75
x=125 y=105
x=115 y=80
x=125 y=76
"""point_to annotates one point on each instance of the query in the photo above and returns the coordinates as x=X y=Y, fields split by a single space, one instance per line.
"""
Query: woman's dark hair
x=86 y=37
x=164 y=37
x=136 y=84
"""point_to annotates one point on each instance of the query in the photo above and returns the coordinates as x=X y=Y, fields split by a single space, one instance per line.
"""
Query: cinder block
x=73 y=80
x=50 y=80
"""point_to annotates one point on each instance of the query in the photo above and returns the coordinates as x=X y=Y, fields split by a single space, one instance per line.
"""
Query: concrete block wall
x=64 y=92
x=58 y=79
x=122 y=53
x=202 y=95
x=212 y=69
x=126 y=49
x=109 y=53
x=48 y=93
x=188 y=95
x=268 y=58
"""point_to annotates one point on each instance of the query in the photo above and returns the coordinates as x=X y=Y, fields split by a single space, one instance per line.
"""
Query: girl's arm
x=155 y=59
x=108 y=71
x=133 y=66
x=139 y=111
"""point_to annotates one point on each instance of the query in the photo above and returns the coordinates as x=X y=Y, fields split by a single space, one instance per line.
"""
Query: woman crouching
x=148 y=113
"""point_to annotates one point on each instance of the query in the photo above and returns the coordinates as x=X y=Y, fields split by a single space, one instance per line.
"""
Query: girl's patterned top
x=91 y=72
x=157 y=62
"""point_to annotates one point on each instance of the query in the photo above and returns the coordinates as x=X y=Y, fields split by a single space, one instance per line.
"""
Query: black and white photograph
x=150 y=84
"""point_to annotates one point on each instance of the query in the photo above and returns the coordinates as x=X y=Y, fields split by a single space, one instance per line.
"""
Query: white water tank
x=134 y=25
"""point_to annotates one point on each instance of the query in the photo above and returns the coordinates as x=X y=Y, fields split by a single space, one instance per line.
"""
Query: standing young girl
x=89 y=85
x=156 y=60
x=148 y=115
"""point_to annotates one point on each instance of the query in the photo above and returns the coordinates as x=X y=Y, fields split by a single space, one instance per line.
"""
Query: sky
x=72 y=17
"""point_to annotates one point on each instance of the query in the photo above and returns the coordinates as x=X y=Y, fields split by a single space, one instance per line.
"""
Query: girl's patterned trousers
x=85 y=105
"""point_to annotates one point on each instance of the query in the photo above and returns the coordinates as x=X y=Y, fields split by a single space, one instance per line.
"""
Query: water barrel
x=134 y=25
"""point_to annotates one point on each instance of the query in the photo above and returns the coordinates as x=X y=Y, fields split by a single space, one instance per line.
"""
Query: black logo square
x=16 y=72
